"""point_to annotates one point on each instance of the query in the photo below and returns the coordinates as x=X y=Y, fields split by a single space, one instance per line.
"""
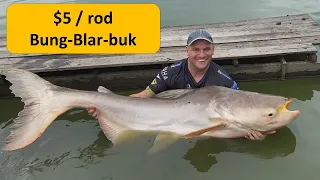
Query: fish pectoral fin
x=218 y=123
x=162 y=141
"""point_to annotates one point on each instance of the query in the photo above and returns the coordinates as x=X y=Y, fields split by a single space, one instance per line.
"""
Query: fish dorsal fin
x=104 y=90
x=175 y=93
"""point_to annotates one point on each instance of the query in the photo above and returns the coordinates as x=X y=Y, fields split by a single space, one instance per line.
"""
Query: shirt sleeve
x=161 y=82
x=228 y=81
x=234 y=85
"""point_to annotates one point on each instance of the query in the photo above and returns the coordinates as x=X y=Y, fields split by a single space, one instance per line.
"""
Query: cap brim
x=199 y=39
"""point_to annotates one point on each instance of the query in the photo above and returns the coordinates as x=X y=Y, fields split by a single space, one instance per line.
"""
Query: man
x=198 y=70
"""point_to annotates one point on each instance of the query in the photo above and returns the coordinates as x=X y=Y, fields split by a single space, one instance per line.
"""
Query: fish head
x=263 y=112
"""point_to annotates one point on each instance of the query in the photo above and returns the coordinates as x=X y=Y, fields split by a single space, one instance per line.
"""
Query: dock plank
x=247 y=30
x=4 y=54
x=271 y=42
x=2 y=41
x=253 y=21
x=248 y=37
x=258 y=29
x=165 y=55
x=253 y=38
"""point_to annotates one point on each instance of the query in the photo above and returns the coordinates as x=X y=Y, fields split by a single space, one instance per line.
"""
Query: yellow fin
x=129 y=136
x=162 y=141
x=165 y=139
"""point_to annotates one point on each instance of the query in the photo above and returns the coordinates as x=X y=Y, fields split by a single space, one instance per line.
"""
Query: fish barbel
x=211 y=111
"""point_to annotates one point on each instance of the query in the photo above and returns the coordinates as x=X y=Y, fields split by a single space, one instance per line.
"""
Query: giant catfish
x=211 y=111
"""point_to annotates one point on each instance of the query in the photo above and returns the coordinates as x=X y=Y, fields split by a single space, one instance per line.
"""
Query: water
x=73 y=147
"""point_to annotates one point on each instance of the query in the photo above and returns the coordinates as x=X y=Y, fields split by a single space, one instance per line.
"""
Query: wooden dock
x=277 y=47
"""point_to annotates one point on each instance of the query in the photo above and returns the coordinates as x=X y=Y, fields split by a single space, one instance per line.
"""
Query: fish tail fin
x=38 y=113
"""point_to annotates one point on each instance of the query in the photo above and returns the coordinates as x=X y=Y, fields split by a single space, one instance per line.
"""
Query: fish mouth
x=288 y=103
x=285 y=109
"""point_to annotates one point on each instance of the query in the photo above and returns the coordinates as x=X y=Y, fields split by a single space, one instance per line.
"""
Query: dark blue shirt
x=178 y=76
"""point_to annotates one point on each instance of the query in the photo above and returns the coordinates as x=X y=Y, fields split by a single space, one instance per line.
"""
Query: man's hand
x=255 y=135
x=93 y=112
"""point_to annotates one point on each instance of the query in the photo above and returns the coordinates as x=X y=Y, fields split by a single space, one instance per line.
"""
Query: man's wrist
x=149 y=90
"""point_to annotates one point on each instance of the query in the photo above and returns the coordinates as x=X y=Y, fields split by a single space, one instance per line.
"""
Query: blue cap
x=199 y=34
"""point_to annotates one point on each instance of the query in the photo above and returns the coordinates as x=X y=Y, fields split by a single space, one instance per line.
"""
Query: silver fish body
x=211 y=111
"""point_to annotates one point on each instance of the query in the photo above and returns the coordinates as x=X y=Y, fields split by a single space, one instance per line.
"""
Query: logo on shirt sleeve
x=164 y=73
x=154 y=81
x=224 y=74
x=177 y=64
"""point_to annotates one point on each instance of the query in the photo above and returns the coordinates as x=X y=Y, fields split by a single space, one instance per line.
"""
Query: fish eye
x=270 y=112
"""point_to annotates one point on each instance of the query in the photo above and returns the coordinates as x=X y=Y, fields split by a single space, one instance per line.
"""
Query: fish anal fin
x=162 y=141
x=116 y=133
x=128 y=136
x=217 y=123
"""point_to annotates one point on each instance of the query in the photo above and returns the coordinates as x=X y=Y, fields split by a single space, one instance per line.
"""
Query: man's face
x=200 y=53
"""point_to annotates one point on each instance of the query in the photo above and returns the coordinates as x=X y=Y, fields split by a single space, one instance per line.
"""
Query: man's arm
x=143 y=94
x=159 y=84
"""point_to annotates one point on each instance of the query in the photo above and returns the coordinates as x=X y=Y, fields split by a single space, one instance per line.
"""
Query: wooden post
x=96 y=72
x=235 y=62
x=283 y=67
x=1 y=79
x=313 y=57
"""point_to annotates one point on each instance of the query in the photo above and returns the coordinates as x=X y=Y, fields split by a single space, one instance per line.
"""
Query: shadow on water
x=88 y=155
x=203 y=155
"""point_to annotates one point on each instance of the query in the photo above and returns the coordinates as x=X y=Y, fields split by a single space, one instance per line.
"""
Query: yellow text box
x=83 y=28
